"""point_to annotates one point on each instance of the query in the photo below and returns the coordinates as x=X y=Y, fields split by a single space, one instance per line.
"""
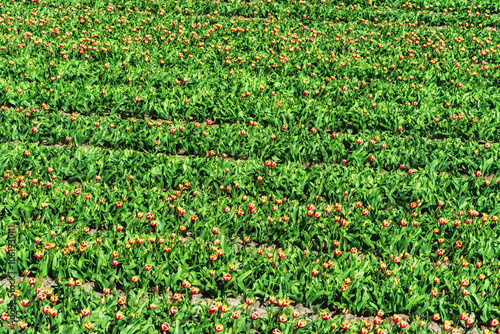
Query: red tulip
x=165 y=327
x=301 y=323
x=119 y=315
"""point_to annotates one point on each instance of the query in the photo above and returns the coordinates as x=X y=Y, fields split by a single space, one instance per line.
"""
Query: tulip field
x=264 y=166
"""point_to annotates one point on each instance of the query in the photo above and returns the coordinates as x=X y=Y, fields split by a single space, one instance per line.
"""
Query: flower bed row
x=294 y=142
